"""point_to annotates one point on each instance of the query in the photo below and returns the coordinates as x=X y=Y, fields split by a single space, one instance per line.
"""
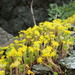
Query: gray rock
x=40 y=69
x=4 y=37
x=7 y=8
x=22 y=12
x=69 y=62
x=40 y=15
x=17 y=24
x=3 y=22
x=72 y=53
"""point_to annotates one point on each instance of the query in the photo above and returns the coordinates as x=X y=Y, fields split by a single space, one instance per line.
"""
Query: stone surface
x=41 y=70
x=5 y=38
x=72 y=53
x=69 y=62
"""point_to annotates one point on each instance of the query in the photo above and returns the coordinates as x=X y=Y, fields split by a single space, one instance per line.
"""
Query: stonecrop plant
x=42 y=44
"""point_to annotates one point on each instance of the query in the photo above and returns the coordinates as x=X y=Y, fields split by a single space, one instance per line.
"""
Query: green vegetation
x=62 y=12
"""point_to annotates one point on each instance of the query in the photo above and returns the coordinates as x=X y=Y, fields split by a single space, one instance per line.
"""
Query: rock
x=70 y=72
x=73 y=33
x=7 y=8
x=20 y=11
x=4 y=38
x=69 y=63
x=23 y=13
x=17 y=25
x=38 y=16
x=41 y=70
x=3 y=22
x=72 y=53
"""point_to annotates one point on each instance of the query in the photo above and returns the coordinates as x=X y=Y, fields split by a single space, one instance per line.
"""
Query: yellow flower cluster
x=70 y=20
x=40 y=43
x=15 y=64
x=2 y=72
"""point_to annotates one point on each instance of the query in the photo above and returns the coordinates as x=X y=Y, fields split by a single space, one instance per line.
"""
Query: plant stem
x=32 y=13
x=16 y=71
x=11 y=71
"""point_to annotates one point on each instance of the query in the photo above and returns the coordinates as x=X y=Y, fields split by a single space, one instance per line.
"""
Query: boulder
x=41 y=70
x=5 y=38
x=68 y=63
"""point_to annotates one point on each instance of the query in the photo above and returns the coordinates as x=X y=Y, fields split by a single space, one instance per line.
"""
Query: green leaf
x=27 y=60
x=22 y=67
x=55 y=73
x=33 y=58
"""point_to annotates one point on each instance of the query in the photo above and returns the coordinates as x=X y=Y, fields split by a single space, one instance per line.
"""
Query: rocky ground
x=15 y=15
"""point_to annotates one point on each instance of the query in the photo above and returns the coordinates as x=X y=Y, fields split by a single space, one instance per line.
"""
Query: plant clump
x=42 y=44
x=63 y=12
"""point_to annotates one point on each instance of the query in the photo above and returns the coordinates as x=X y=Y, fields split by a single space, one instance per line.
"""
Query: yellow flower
x=16 y=37
x=6 y=47
x=3 y=57
x=15 y=64
x=24 y=40
x=46 y=54
x=2 y=72
x=22 y=31
x=53 y=54
x=12 y=53
x=28 y=37
x=23 y=48
x=55 y=44
x=52 y=36
x=41 y=37
x=64 y=42
x=2 y=60
x=37 y=33
x=70 y=43
x=36 y=45
x=21 y=35
x=67 y=31
x=40 y=60
x=51 y=32
x=27 y=66
x=16 y=41
x=1 y=52
x=11 y=45
x=46 y=36
x=19 y=53
x=45 y=42
x=49 y=48
x=31 y=49
x=57 y=22
x=3 y=63
x=30 y=72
